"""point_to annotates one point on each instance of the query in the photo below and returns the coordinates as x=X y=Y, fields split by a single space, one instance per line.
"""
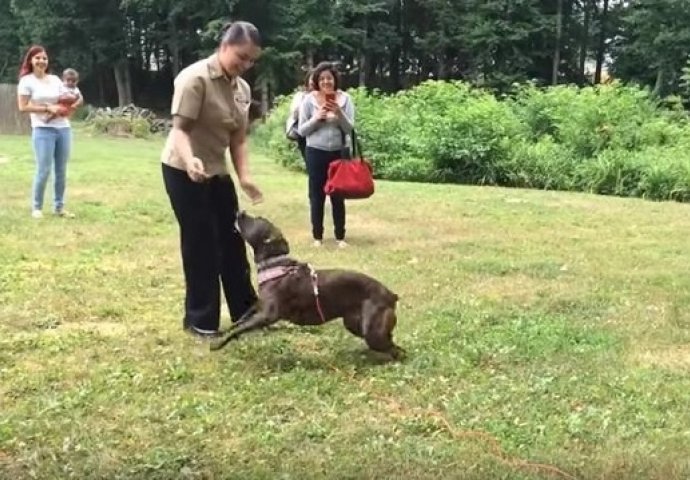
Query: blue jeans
x=51 y=147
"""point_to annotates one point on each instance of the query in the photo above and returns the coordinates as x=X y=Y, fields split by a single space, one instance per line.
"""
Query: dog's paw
x=398 y=354
x=217 y=344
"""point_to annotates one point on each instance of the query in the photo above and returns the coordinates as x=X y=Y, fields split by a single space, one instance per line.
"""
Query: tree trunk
x=310 y=58
x=363 y=65
x=441 y=68
x=603 y=24
x=427 y=72
x=405 y=44
x=148 y=48
x=584 y=45
x=394 y=60
x=374 y=70
x=394 y=64
x=156 y=58
x=174 y=46
x=659 y=85
x=264 y=88
x=557 y=49
x=100 y=81
x=123 y=82
x=364 y=59
x=4 y=67
x=101 y=87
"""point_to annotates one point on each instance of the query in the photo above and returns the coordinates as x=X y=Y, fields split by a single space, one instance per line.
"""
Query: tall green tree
x=88 y=35
x=132 y=49
x=653 y=41
x=10 y=44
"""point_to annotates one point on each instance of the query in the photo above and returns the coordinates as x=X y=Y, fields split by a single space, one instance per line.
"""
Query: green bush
x=445 y=131
x=610 y=139
x=664 y=177
x=543 y=164
x=271 y=138
x=122 y=126
x=81 y=112
x=591 y=120
x=654 y=173
x=386 y=144
x=613 y=172
x=141 y=128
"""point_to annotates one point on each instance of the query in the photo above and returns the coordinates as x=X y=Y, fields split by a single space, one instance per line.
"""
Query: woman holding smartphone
x=326 y=119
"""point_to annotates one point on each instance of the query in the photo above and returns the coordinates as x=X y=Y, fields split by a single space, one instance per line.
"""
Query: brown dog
x=293 y=291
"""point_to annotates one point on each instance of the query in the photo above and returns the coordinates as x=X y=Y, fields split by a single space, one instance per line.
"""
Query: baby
x=69 y=94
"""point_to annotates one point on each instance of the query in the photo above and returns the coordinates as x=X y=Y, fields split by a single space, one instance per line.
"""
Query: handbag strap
x=356 y=146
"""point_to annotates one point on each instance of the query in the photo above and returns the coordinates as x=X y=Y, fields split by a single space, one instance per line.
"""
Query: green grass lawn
x=541 y=328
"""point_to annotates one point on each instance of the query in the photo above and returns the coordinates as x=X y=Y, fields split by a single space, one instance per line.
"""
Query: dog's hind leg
x=353 y=324
x=259 y=320
x=389 y=322
x=378 y=326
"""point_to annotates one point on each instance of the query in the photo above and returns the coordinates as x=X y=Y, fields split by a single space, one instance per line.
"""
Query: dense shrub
x=542 y=164
x=82 y=112
x=610 y=139
x=271 y=138
x=656 y=173
x=121 y=126
x=128 y=120
x=591 y=120
x=429 y=133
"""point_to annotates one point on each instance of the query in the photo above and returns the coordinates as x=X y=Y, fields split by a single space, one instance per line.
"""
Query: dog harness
x=265 y=275
x=273 y=273
x=315 y=287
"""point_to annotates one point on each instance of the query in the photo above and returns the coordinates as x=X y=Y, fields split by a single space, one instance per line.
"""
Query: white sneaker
x=342 y=244
x=37 y=214
x=317 y=243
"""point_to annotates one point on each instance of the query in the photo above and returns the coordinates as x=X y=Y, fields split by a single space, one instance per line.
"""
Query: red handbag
x=351 y=176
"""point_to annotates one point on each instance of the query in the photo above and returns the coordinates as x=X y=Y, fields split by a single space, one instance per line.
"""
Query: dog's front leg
x=260 y=319
x=246 y=317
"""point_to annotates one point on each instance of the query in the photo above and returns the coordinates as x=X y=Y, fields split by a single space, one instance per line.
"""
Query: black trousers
x=317 y=170
x=212 y=249
x=302 y=147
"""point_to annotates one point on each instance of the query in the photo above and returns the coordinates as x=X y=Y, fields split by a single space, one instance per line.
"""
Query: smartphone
x=330 y=97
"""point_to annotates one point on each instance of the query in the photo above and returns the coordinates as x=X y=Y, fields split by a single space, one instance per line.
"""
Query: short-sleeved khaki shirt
x=219 y=107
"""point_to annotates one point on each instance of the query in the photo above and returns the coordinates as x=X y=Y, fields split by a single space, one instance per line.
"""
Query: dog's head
x=266 y=239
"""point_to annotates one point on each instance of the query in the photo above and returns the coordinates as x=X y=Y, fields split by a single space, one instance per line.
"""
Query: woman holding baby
x=49 y=100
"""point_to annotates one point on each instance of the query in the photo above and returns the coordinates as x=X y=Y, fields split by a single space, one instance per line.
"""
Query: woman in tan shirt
x=210 y=109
